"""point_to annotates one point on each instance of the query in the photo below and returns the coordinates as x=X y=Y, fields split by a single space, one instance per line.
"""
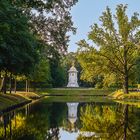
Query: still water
x=45 y=120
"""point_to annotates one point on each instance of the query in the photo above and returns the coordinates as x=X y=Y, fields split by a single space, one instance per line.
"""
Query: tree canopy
x=34 y=34
x=117 y=39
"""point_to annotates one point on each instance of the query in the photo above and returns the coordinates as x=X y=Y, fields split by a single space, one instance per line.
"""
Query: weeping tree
x=117 y=38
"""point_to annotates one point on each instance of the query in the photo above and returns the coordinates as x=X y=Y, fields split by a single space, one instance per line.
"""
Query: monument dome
x=72 y=69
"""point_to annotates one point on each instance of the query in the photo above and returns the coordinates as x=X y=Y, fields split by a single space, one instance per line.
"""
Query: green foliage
x=132 y=96
x=33 y=29
x=99 y=116
x=137 y=69
x=58 y=74
x=118 y=47
x=38 y=125
x=107 y=122
x=41 y=72
x=51 y=21
x=67 y=62
x=17 y=46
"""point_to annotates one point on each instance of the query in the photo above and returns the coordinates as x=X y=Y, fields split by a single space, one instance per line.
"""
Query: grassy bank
x=10 y=100
x=76 y=92
x=13 y=100
x=119 y=95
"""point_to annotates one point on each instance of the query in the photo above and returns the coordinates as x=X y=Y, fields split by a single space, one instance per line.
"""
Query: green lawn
x=76 y=92
x=99 y=99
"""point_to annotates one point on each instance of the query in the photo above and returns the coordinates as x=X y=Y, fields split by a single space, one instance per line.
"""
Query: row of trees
x=116 y=59
x=33 y=40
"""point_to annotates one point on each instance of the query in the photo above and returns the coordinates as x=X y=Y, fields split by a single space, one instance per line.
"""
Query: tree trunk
x=2 y=83
x=126 y=84
x=10 y=83
x=15 y=85
x=26 y=85
x=125 y=72
x=4 y=89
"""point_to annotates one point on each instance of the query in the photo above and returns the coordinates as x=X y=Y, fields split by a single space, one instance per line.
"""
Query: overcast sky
x=87 y=12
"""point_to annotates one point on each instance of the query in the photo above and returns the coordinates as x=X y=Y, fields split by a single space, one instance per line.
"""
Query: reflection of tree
x=41 y=123
x=107 y=122
x=57 y=118
x=44 y=120
x=125 y=121
x=53 y=134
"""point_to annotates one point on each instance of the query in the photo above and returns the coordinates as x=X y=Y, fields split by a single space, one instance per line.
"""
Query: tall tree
x=25 y=22
x=18 y=46
x=51 y=19
x=118 y=44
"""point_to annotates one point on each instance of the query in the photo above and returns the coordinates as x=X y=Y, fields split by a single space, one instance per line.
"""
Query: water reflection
x=72 y=116
x=71 y=121
x=109 y=122
x=9 y=122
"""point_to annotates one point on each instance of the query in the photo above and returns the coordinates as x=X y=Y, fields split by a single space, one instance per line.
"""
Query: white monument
x=72 y=81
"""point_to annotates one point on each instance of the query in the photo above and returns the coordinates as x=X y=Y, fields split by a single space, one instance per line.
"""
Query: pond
x=71 y=120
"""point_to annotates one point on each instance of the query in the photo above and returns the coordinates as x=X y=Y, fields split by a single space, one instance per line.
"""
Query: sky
x=87 y=12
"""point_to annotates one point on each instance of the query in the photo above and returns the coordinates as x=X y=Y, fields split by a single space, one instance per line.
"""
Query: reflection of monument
x=72 y=77
x=1 y=118
x=72 y=112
